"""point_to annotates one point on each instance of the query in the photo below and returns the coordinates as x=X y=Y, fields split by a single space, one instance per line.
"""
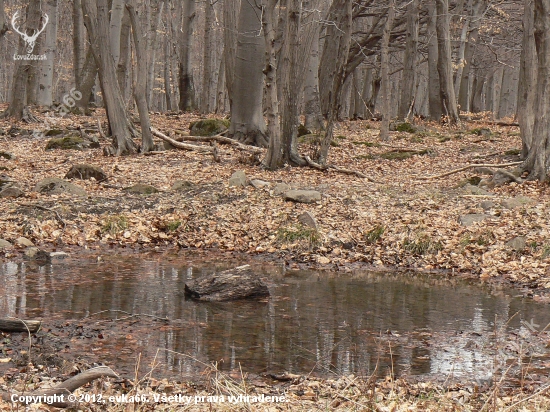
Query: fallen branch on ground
x=180 y=145
x=468 y=167
x=62 y=390
x=220 y=138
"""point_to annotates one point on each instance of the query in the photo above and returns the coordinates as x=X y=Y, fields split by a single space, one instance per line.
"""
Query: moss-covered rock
x=54 y=132
x=55 y=186
x=141 y=189
x=66 y=143
x=209 y=127
x=403 y=127
x=302 y=130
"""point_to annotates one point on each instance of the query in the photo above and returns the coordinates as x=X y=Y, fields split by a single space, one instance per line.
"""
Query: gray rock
x=23 y=241
x=209 y=127
x=280 y=188
x=141 y=189
x=259 y=184
x=182 y=185
x=6 y=180
x=54 y=185
x=307 y=219
x=487 y=204
x=4 y=244
x=11 y=191
x=470 y=219
x=518 y=201
x=7 y=155
x=238 y=179
x=475 y=190
x=31 y=252
x=85 y=171
x=502 y=177
x=518 y=243
x=303 y=196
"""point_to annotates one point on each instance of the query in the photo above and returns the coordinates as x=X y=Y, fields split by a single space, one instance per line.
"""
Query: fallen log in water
x=233 y=284
x=17 y=325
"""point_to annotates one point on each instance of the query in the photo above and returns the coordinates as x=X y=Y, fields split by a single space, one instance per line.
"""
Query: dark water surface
x=314 y=322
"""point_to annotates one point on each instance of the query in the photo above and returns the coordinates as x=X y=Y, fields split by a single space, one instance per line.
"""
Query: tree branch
x=468 y=167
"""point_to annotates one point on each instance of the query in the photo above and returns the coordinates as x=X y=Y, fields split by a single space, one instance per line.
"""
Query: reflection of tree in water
x=313 y=322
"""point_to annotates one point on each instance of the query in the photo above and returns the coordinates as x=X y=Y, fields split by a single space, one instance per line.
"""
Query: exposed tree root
x=468 y=167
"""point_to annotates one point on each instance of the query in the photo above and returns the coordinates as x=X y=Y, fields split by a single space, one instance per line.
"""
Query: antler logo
x=30 y=40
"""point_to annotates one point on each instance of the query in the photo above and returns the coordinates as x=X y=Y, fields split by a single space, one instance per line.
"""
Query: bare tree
x=384 y=73
x=45 y=84
x=444 y=62
x=96 y=19
x=247 y=121
x=186 y=84
x=3 y=23
x=408 y=80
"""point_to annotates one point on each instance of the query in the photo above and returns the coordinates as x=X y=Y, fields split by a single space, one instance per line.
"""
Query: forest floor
x=397 y=218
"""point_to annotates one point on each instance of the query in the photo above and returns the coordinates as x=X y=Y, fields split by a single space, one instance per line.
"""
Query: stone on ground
x=86 y=171
x=238 y=179
x=141 y=189
x=303 y=196
x=470 y=219
x=56 y=186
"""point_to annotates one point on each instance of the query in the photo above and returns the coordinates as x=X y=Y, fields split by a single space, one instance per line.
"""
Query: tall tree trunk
x=220 y=88
x=96 y=19
x=117 y=11
x=462 y=50
x=167 y=64
x=408 y=81
x=152 y=51
x=230 y=18
x=79 y=39
x=444 y=62
x=333 y=67
x=45 y=85
x=496 y=90
x=207 y=70
x=527 y=80
x=140 y=88
x=312 y=105
x=537 y=160
x=477 y=93
x=186 y=85
x=86 y=80
x=385 y=73
x=24 y=68
x=274 y=155
x=124 y=54
x=436 y=110
x=247 y=121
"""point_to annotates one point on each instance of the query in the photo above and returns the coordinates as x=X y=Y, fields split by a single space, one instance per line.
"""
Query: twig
x=317 y=166
x=468 y=167
x=57 y=215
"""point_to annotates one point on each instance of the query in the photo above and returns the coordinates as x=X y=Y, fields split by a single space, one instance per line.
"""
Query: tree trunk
x=527 y=80
x=408 y=81
x=312 y=105
x=207 y=71
x=152 y=52
x=124 y=54
x=86 y=80
x=495 y=91
x=274 y=155
x=434 y=97
x=79 y=38
x=462 y=51
x=117 y=11
x=247 y=121
x=537 y=161
x=230 y=18
x=45 y=86
x=186 y=84
x=140 y=88
x=96 y=18
x=220 y=87
x=333 y=67
x=477 y=94
x=385 y=73
x=167 y=64
x=23 y=68
x=444 y=62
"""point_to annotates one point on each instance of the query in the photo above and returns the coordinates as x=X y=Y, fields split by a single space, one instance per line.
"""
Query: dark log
x=62 y=390
x=16 y=325
x=233 y=284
